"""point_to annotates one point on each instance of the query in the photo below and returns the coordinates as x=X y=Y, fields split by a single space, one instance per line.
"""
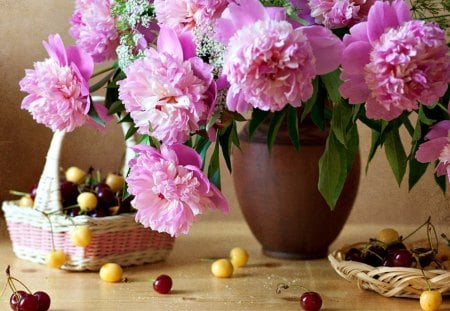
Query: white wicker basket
x=119 y=239
x=389 y=281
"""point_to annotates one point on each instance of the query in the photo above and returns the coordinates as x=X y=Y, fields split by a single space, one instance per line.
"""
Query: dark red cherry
x=401 y=258
x=354 y=254
x=43 y=300
x=162 y=284
x=106 y=197
x=15 y=298
x=28 y=302
x=310 y=301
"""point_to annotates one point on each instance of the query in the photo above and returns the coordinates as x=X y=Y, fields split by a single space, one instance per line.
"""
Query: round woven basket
x=35 y=231
x=389 y=281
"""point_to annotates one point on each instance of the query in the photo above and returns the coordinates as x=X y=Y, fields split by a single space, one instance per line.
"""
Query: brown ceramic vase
x=278 y=193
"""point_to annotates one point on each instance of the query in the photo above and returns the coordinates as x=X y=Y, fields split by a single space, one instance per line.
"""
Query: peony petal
x=358 y=32
x=327 y=48
x=429 y=151
x=355 y=57
x=354 y=88
x=55 y=48
x=168 y=42
x=276 y=13
x=238 y=14
x=440 y=129
x=186 y=155
x=382 y=15
x=82 y=61
x=402 y=11
x=219 y=200
x=187 y=42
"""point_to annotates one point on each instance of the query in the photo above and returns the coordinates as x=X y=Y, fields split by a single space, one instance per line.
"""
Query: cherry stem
x=282 y=286
x=426 y=280
x=21 y=193
x=51 y=229
x=10 y=281
x=418 y=228
x=430 y=227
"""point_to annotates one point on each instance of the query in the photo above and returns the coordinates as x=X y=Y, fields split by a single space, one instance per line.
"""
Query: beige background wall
x=23 y=143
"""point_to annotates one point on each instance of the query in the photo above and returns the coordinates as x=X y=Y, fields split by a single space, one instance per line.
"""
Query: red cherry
x=28 y=302
x=310 y=301
x=402 y=258
x=15 y=298
x=43 y=300
x=162 y=284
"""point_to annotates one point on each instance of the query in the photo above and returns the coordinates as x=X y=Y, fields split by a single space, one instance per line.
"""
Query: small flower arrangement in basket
x=48 y=231
x=394 y=266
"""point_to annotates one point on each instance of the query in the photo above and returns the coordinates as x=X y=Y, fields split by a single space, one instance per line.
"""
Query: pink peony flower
x=268 y=62
x=437 y=147
x=166 y=95
x=94 y=29
x=339 y=13
x=391 y=62
x=185 y=15
x=58 y=87
x=170 y=189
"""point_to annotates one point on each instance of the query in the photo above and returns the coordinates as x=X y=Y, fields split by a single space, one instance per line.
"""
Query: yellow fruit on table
x=81 y=236
x=115 y=182
x=75 y=174
x=111 y=272
x=55 y=259
x=430 y=300
x=388 y=235
x=222 y=268
x=238 y=257
x=26 y=201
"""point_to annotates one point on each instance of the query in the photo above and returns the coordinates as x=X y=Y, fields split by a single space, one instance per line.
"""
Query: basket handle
x=48 y=196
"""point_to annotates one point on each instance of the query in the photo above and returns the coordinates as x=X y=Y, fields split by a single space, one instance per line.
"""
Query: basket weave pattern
x=119 y=239
x=389 y=281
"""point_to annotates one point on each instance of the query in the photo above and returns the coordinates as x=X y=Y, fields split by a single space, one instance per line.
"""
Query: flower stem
x=96 y=74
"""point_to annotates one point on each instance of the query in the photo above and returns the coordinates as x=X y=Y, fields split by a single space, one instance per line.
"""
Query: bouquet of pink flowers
x=184 y=72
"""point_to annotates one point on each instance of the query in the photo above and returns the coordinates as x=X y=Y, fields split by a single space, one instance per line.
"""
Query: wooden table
x=250 y=288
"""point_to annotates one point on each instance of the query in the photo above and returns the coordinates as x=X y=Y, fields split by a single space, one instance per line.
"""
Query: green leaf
x=395 y=154
x=94 y=115
x=441 y=181
x=423 y=117
x=201 y=146
x=318 y=110
x=375 y=144
x=332 y=83
x=101 y=83
x=292 y=123
x=214 y=167
x=334 y=166
x=341 y=121
x=258 y=117
x=225 y=143
x=116 y=107
x=274 y=126
x=216 y=116
x=308 y=105
x=235 y=135
x=131 y=131
x=416 y=171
